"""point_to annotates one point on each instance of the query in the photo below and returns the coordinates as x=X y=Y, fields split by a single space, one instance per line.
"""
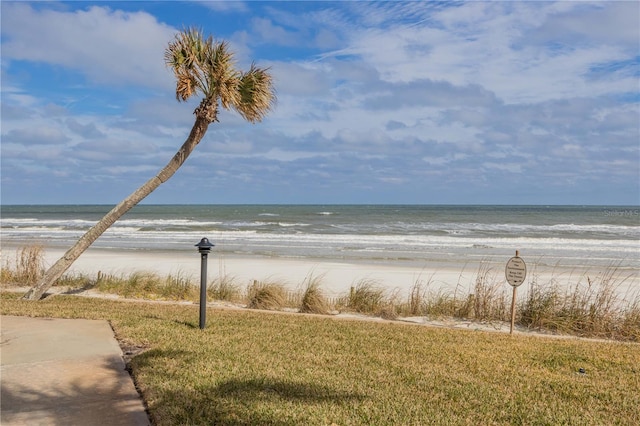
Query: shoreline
x=336 y=278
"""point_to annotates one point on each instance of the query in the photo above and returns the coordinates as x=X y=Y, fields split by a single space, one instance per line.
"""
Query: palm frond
x=183 y=57
x=222 y=75
x=257 y=94
x=186 y=85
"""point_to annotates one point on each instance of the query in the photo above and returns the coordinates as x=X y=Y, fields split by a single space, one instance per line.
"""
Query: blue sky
x=378 y=102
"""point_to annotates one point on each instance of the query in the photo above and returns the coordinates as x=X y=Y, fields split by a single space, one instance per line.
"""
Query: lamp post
x=204 y=246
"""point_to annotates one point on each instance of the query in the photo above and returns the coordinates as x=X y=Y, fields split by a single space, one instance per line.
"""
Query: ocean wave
x=289 y=225
x=458 y=229
x=346 y=232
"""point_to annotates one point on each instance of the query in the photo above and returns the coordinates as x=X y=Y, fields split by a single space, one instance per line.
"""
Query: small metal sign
x=516 y=271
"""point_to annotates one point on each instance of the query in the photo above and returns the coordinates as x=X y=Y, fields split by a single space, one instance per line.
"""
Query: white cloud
x=38 y=135
x=302 y=79
x=491 y=44
x=270 y=33
x=108 y=46
x=224 y=6
x=611 y=23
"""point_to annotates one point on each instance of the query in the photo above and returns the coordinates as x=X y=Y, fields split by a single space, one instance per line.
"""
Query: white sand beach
x=335 y=278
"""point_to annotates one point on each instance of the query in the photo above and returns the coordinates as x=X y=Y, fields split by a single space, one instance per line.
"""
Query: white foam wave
x=451 y=228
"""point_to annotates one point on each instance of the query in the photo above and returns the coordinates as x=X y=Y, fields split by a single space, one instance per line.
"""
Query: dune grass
x=366 y=297
x=490 y=301
x=313 y=301
x=147 y=285
x=225 y=288
x=254 y=367
x=266 y=295
x=590 y=307
x=26 y=268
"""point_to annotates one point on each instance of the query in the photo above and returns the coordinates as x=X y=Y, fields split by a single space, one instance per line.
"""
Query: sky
x=377 y=103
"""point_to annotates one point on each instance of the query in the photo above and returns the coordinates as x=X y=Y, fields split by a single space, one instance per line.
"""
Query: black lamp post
x=204 y=246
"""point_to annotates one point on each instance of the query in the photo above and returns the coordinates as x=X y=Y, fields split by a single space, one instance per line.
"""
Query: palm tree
x=200 y=66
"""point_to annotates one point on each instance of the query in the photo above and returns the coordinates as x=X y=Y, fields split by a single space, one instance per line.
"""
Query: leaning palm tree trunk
x=60 y=267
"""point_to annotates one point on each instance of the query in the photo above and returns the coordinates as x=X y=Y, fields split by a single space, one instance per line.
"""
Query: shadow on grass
x=243 y=401
x=275 y=389
x=251 y=402
x=187 y=324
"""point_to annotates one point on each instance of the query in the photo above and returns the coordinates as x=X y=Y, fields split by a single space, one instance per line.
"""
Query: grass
x=313 y=301
x=147 y=285
x=490 y=300
x=254 y=367
x=27 y=267
x=590 y=307
x=266 y=295
x=225 y=288
x=416 y=300
x=366 y=297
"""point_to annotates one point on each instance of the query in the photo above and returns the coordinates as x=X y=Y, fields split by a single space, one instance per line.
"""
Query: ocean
x=414 y=235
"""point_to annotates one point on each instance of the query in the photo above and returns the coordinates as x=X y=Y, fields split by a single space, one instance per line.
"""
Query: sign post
x=515 y=272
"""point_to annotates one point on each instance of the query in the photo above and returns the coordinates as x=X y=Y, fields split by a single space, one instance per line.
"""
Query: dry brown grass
x=27 y=267
x=225 y=288
x=266 y=295
x=366 y=297
x=490 y=300
x=416 y=302
x=591 y=307
x=148 y=285
x=313 y=300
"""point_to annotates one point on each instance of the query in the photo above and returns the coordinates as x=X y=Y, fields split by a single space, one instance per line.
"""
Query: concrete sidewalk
x=64 y=372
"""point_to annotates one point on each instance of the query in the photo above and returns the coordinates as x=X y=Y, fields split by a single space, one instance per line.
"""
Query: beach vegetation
x=76 y=283
x=267 y=295
x=27 y=267
x=256 y=367
x=313 y=300
x=178 y=286
x=627 y=327
x=366 y=297
x=590 y=307
x=439 y=304
x=225 y=288
x=416 y=303
x=201 y=66
x=490 y=299
x=391 y=306
x=148 y=285
x=425 y=299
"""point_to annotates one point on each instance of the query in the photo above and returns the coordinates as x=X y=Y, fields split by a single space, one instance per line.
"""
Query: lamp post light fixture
x=204 y=247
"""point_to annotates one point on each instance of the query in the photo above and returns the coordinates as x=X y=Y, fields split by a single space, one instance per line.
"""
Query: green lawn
x=252 y=367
